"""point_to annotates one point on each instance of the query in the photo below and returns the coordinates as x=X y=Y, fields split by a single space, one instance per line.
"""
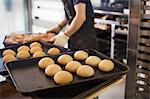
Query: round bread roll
x=72 y=66
x=51 y=70
x=8 y=58
x=53 y=51
x=80 y=55
x=35 y=49
x=93 y=61
x=44 y=62
x=38 y=54
x=23 y=54
x=64 y=59
x=9 y=52
x=85 y=71
x=106 y=65
x=63 y=77
x=24 y=48
x=35 y=44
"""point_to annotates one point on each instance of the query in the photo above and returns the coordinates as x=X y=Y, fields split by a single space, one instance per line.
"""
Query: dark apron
x=85 y=37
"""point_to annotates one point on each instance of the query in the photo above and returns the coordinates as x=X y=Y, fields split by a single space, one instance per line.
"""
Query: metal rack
x=138 y=78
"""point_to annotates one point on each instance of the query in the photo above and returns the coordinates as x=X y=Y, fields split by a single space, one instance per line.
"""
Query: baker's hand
x=55 y=29
x=61 y=39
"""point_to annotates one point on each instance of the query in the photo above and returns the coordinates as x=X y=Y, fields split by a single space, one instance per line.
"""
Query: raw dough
x=63 y=77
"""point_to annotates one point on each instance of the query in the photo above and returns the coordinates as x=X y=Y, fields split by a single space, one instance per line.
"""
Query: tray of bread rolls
x=27 y=50
x=16 y=38
x=67 y=69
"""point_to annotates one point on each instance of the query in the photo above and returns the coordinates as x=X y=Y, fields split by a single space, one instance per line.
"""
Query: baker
x=81 y=33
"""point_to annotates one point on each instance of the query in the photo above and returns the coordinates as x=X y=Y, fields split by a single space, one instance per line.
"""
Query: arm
x=56 y=29
x=78 y=20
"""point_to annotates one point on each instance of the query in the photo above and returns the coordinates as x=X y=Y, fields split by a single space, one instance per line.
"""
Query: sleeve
x=79 y=1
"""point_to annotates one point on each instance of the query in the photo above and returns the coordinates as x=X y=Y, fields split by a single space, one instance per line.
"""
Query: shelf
x=144 y=41
x=110 y=22
x=145 y=24
x=143 y=64
x=144 y=49
x=145 y=32
x=144 y=56
x=110 y=13
x=145 y=16
x=146 y=7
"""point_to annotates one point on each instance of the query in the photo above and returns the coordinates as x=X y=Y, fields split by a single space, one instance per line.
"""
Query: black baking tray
x=77 y=91
x=29 y=79
x=45 y=47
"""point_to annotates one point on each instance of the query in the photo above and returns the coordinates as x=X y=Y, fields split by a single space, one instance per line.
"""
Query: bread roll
x=51 y=70
x=72 y=66
x=35 y=49
x=23 y=54
x=64 y=59
x=44 y=62
x=85 y=71
x=63 y=77
x=80 y=55
x=9 y=52
x=93 y=61
x=38 y=54
x=35 y=44
x=106 y=65
x=53 y=51
x=24 y=48
x=8 y=58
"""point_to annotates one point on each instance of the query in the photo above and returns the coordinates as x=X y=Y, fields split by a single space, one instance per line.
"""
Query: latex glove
x=61 y=39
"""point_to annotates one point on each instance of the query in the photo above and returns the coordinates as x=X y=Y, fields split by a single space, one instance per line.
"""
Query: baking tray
x=45 y=47
x=78 y=91
x=29 y=79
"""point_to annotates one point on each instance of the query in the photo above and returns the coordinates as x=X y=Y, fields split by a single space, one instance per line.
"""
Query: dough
x=80 y=55
x=23 y=54
x=24 y=48
x=93 y=61
x=8 y=58
x=72 y=66
x=63 y=77
x=39 y=54
x=35 y=49
x=64 y=59
x=9 y=52
x=106 y=65
x=85 y=71
x=53 y=51
x=44 y=62
x=51 y=70
x=35 y=44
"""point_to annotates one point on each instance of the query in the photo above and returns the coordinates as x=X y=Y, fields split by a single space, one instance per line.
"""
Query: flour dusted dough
x=93 y=61
x=106 y=65
x=9 y=52
x=35 y=44
x=51 y=70
x=64 y=59
x=24 y=48
x=80 y=55
x=39 y=54
x=23 y=54
x=35 y=49
x=46 y=61
x=8 y=58
x=53 y=51
x=72 y=66
x=85 y=71
x=63 y=77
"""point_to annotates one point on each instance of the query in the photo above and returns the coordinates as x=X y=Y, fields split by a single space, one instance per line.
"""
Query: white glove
x=61 y=39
